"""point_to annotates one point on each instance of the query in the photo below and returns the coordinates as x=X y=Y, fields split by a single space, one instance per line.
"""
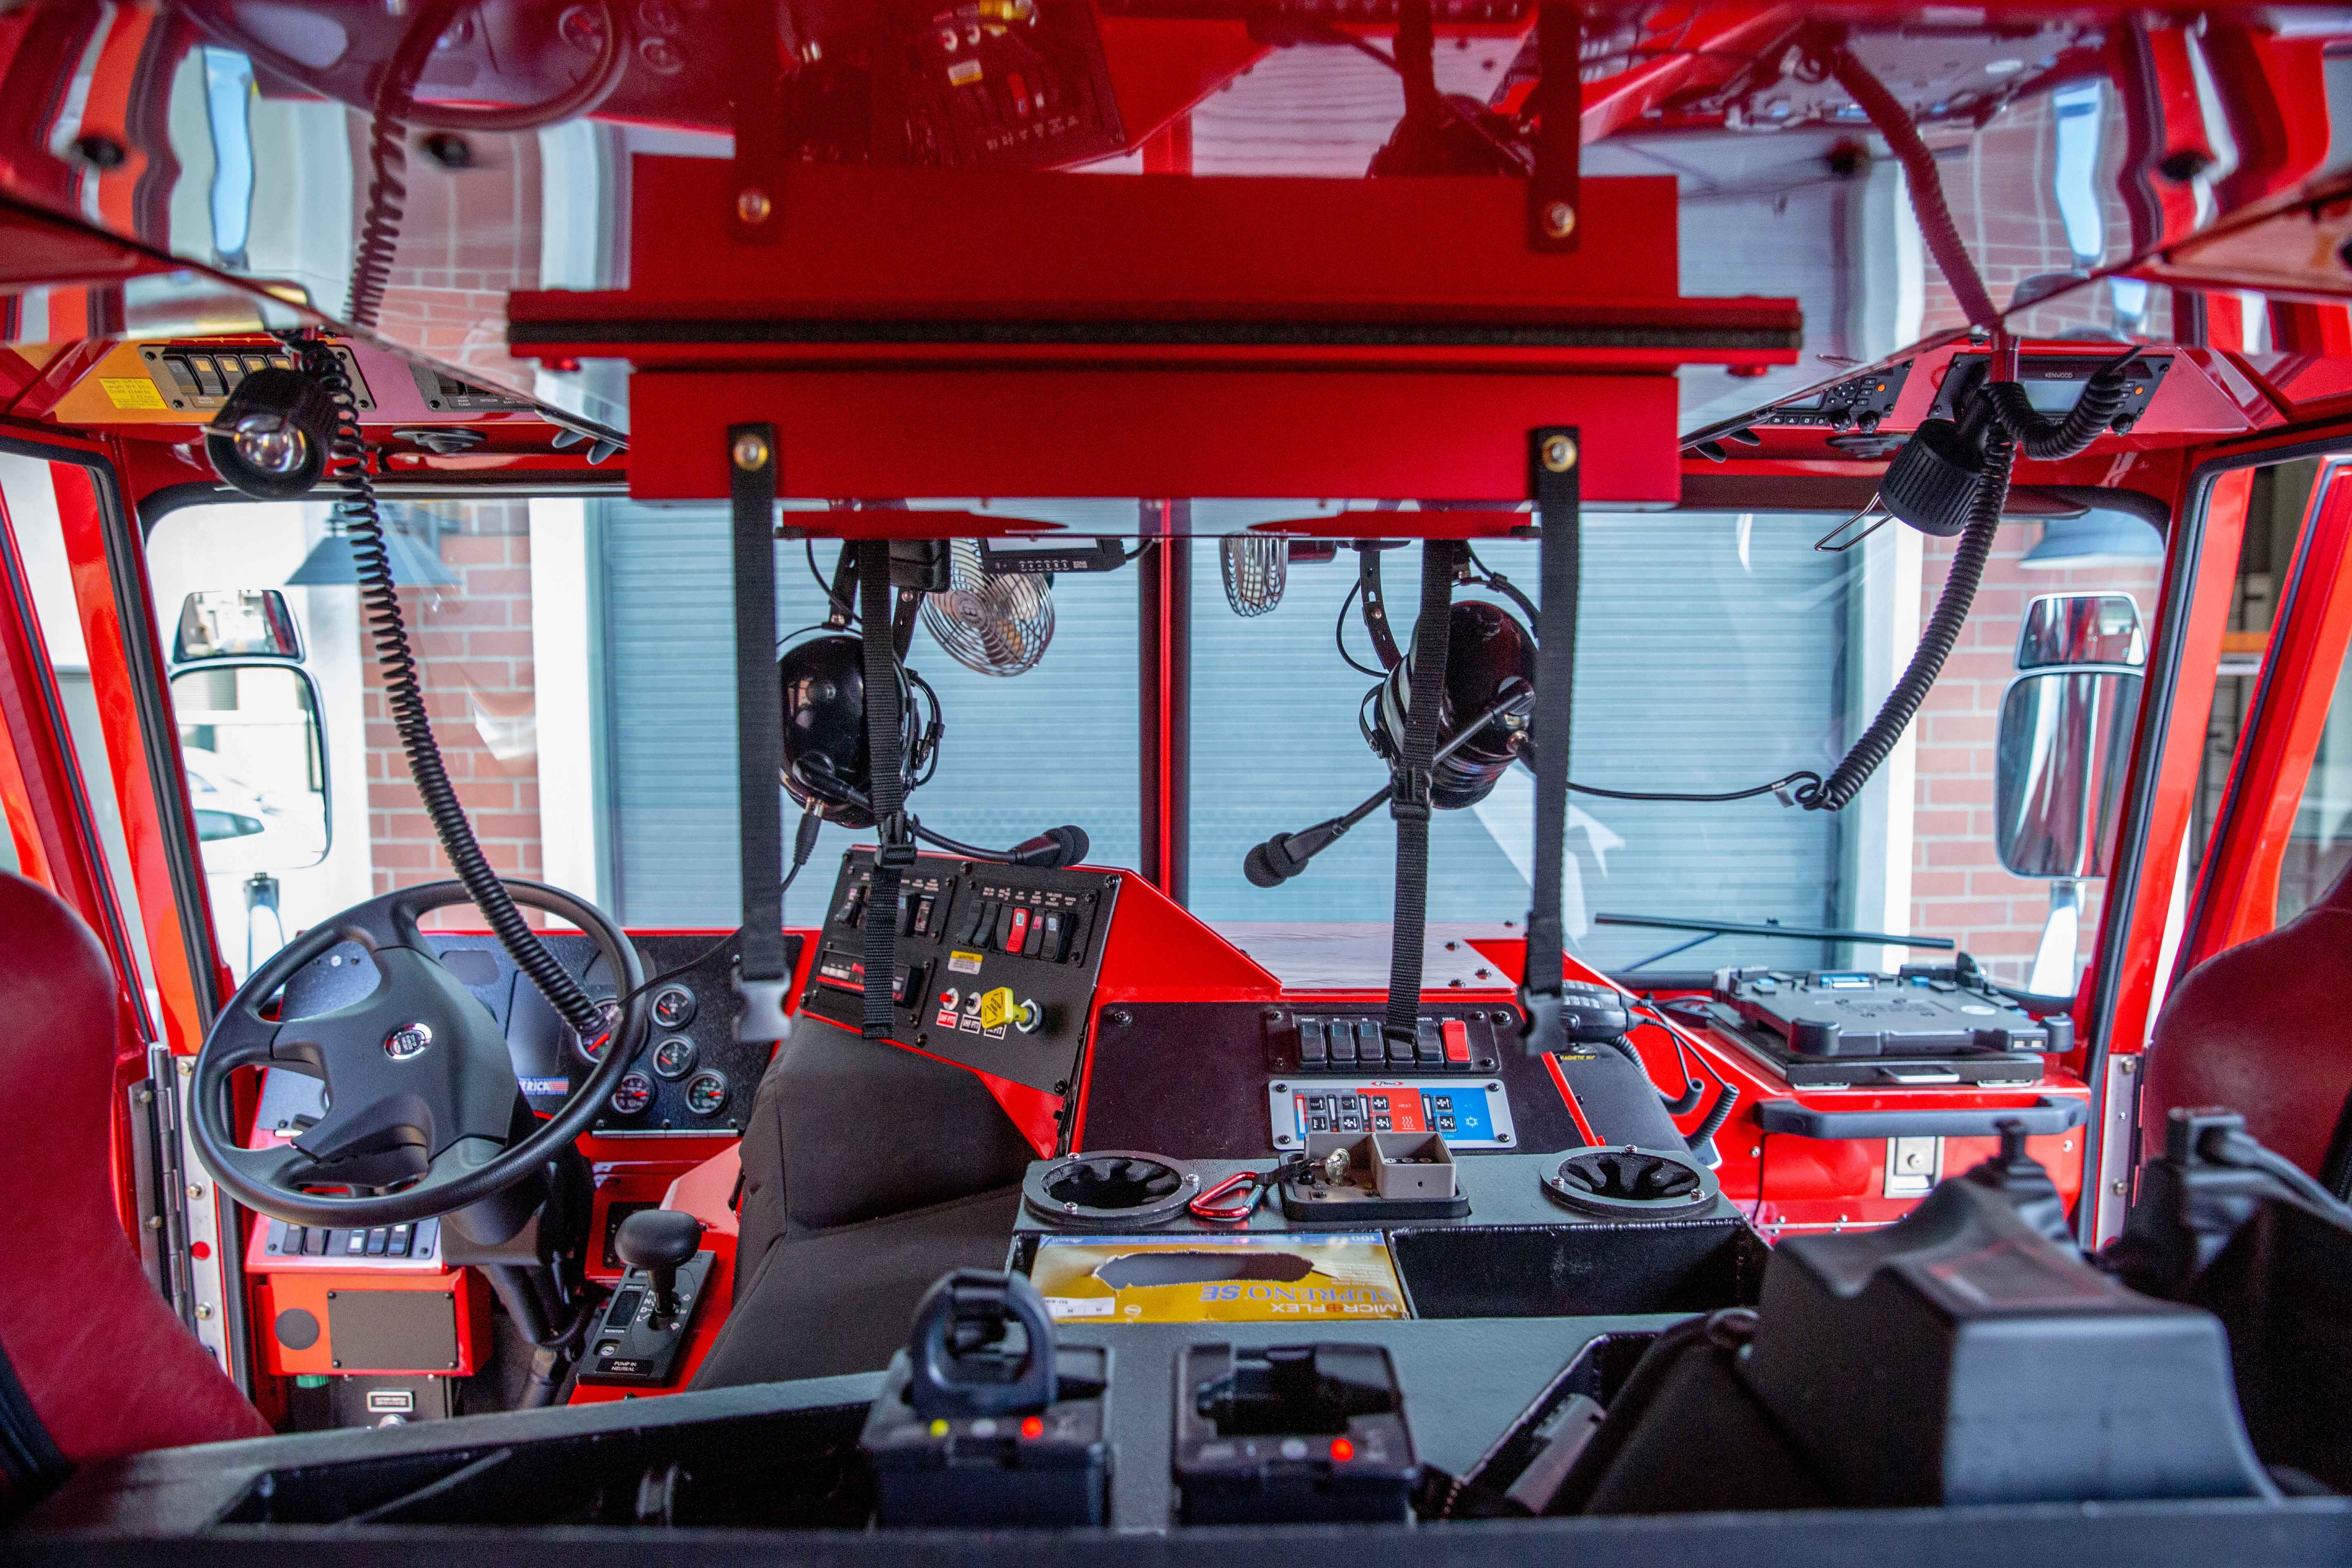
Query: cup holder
x=1109 y=1189
x=1628 y=1182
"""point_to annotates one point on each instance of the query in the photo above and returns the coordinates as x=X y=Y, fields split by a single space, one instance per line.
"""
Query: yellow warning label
x=131 y=392
x=963 y=962
x=996 y=1008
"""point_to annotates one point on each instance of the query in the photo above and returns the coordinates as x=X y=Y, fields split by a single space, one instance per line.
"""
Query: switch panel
x=1468 y=1113
x=1463 y=1040
x=970 y=930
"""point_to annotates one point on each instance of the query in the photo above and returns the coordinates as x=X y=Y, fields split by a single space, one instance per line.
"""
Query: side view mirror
x=256 y=756
x=2065 y=745
x=2066 y=740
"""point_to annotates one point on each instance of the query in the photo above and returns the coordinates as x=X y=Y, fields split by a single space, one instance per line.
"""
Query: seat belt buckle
x=897 y=851
x=759 y=1008
x=1409 y=801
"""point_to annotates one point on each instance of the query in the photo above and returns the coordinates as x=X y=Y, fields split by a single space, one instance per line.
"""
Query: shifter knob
x=659 y=1241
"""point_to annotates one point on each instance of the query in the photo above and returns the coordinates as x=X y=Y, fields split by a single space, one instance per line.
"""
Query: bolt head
x=1559 y=454
x=750 y=453
x=752 y=205
x=1558 y=220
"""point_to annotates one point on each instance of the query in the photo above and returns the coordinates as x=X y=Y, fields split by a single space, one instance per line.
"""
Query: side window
x=30 y=509
x=2320 y=845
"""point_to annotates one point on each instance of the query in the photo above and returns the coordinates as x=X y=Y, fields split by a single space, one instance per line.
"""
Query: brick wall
x=1998 y=183
x=1958 y=885
x=473 y=646
x=467 y=239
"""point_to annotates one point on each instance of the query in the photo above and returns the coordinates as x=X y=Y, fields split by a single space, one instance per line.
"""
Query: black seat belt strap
x=1408 y=804
x=1553 y=456
x=886 y=759
x=763 y=969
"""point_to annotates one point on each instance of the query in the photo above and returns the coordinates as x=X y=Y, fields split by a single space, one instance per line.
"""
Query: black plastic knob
x=661 y=1241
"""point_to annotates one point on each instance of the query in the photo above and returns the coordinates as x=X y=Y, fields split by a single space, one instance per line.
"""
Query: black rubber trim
x=30 y=1463
x=2050 y=1113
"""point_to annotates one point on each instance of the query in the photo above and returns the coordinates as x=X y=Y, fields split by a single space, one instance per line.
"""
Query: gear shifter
x=661 y=1241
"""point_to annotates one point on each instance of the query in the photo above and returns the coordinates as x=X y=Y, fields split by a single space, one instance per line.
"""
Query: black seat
x=869 y=1172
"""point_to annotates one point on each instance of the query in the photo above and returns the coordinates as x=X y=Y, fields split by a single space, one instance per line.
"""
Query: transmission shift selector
x=637 y=1342
x=969 y=1430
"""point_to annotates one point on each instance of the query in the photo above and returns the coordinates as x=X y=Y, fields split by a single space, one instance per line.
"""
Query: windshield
x=578 y=658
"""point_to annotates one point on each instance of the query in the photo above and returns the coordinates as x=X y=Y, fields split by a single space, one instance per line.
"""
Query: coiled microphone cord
x=356 y=513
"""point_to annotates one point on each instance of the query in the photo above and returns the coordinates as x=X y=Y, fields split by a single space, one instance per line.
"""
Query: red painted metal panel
x=879 y=434
x=132 y=771
x=2238 y=895
x=2180 y=737
x=920 y=244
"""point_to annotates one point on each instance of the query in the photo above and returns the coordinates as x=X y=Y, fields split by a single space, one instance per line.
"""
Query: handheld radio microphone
x=1055 y=848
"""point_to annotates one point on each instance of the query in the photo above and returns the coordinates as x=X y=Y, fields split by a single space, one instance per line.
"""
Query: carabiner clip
x=1206 y=1206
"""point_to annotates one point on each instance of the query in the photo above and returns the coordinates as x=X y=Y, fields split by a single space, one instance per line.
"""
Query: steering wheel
x=421 y=1092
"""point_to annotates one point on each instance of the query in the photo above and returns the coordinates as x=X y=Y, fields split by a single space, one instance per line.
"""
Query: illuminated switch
x=1401 y=1052
x=1455 y=1035
x=1014 y=927
x=1427 y=1050
x=1312 y=1050
x=1343 y=1043
x=1033 y=944
x=1371 y=1050
x=1055 y=945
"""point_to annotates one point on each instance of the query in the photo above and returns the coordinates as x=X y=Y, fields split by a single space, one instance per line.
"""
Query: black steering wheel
x=423 y=1109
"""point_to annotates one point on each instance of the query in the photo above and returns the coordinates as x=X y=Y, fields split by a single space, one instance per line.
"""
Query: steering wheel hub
x=408 y=1040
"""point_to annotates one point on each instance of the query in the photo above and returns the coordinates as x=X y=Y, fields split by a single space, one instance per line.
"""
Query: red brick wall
x=1958 y=885
x=473 y=648
x=1997 y=181
x=467 y=239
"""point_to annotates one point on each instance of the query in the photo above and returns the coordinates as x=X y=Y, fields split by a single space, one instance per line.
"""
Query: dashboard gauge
x=634 y=1093
x=674 y=1058
x=707 y=1095
x=608 y=1015
x=674 y=1008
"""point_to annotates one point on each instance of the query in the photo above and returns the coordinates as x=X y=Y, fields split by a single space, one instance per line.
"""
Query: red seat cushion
x=110 y=1370
x=2265 y=1029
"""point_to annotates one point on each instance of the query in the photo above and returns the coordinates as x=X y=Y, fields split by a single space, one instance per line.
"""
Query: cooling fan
x=990 y=624
x=1256 y=568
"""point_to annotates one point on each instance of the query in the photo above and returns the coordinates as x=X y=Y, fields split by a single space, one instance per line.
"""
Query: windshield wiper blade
x=1710 y=929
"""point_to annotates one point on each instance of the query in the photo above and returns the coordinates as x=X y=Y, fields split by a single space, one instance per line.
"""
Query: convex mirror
x=256 y=757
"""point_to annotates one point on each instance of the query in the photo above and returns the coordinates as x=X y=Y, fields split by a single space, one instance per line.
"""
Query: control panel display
x=995 y=966
x=1466 y=1114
